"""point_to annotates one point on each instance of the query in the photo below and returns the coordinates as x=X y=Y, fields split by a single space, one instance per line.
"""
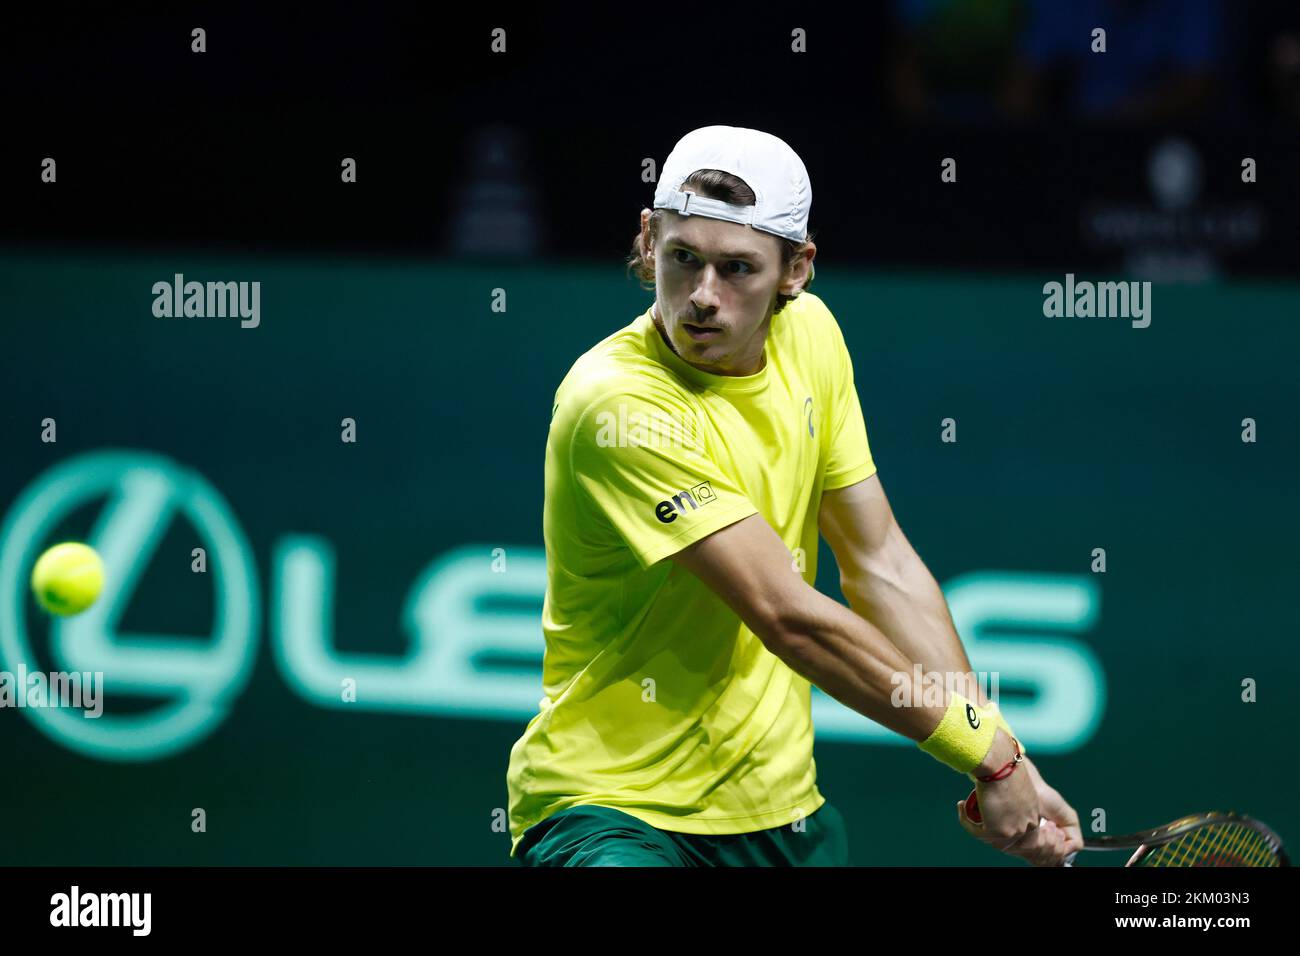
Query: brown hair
x=714 y=184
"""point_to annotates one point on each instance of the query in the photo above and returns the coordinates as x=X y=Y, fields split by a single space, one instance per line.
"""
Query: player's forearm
x=850 y=659
x=903 y=601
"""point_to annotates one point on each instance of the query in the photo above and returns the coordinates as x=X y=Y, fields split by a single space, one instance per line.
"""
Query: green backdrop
x=409 y=560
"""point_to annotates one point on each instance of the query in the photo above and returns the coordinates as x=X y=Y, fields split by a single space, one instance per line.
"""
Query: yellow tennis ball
x=67 y=578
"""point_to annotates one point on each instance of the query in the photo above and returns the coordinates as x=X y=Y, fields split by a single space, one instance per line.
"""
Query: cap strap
x=689 y=203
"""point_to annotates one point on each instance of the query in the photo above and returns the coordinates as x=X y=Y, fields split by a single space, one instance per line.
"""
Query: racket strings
x=1216 y=844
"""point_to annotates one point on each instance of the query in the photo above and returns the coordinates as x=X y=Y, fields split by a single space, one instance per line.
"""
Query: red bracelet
x=1008 y=768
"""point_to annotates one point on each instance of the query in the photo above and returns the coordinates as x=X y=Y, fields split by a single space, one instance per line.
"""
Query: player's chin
x=710 y=350
x=714 y=342
x=712 y=356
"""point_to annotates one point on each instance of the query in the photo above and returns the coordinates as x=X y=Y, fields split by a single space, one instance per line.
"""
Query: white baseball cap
x=766 y=163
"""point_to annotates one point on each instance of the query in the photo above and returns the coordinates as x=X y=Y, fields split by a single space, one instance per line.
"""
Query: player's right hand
x=1011 y=821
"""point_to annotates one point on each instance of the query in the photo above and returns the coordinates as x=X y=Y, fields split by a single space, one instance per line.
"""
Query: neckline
x=729 y=383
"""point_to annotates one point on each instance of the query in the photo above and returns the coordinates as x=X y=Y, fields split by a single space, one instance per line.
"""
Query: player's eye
x=736 y=267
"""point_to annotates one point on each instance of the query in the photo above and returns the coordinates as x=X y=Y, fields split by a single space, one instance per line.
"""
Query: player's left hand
x=1054 y=809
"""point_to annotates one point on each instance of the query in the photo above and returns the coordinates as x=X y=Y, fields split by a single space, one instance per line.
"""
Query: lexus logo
x=140 y=496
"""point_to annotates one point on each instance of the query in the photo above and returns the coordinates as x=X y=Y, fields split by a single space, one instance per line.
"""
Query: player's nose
x=707 y=290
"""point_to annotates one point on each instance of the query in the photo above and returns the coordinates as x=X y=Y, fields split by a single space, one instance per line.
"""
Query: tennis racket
x=1216 y=838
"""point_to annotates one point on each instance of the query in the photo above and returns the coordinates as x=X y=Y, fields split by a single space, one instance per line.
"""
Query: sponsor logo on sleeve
x=685 y=501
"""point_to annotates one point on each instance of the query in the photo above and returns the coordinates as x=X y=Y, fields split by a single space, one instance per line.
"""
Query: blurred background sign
x=344 y=679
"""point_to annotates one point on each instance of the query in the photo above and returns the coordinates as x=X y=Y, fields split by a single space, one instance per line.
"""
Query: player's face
x=716 y=284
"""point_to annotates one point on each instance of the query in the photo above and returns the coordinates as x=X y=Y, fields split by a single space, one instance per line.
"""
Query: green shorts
x=601 y=836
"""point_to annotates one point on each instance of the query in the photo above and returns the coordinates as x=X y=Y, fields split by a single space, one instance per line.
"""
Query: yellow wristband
x=963 y=737
x=993 y=711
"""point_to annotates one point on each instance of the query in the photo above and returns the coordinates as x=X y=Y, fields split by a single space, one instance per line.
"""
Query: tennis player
x=692 y=458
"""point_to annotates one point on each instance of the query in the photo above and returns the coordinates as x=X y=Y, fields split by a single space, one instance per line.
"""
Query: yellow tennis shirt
x=659 y=701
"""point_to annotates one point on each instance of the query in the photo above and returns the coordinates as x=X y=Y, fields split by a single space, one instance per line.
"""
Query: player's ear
x=646 y=246
x=799 y=272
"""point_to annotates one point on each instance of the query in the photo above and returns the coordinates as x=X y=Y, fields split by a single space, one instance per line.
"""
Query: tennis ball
x=67 y=578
